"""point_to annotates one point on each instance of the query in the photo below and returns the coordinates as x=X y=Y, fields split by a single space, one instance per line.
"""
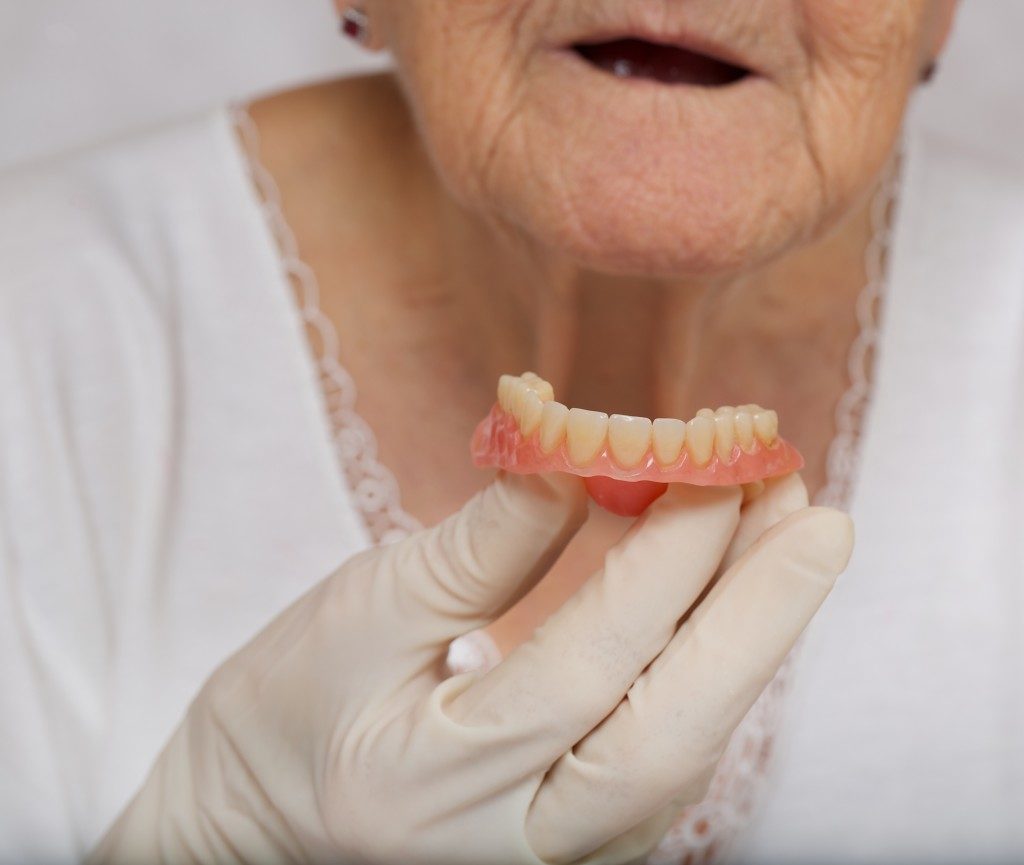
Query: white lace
x=703 y=832
x=372 y=484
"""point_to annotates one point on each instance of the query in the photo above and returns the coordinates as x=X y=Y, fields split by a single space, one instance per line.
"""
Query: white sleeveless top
x=168 y=484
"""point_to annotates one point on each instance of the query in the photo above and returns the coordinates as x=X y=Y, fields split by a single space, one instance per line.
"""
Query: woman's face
x=667 y=162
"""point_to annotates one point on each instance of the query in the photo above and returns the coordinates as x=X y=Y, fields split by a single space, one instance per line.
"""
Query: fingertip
x=562 y=492
x=788 y=492
x=825 y=538
x=566 y=487
x=839 y=526
x=475 y=652
x=690 y=495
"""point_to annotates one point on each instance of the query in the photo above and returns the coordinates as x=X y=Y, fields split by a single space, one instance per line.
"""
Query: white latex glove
x=334 y=736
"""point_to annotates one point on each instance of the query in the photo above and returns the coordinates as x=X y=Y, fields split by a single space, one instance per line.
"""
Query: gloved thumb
x=467 y=570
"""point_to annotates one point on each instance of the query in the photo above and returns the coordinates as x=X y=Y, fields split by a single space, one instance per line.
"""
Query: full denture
x=628 y=461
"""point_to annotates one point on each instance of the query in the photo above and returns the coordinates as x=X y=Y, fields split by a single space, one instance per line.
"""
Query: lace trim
x=703 y=832
x=373 y=485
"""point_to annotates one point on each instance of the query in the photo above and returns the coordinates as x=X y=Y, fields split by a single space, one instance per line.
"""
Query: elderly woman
x=655 y=205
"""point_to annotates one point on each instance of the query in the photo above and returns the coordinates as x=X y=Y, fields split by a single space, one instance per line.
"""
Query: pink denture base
x=499 y=442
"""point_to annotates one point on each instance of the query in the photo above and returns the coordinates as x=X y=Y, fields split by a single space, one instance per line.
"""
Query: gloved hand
x=334 y=736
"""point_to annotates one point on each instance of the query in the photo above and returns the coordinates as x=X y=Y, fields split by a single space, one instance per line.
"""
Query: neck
x=439 y=302
x=777 y=335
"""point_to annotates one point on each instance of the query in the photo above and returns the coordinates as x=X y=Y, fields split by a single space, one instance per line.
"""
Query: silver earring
x=355 y=24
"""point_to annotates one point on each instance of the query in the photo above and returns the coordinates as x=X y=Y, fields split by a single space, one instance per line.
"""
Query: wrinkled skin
x=657 y=180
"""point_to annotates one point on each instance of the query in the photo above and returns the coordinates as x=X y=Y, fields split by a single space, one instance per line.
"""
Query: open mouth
x=667 y=64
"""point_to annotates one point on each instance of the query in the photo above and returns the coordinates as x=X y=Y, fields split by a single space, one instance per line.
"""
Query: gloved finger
x=468 y=569
x=776 y=498
x=780 y=498
x=665 y=739
x=554 y=688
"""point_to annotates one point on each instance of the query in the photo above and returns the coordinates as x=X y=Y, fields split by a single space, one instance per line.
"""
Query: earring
x=355 y=24
x=929 y=72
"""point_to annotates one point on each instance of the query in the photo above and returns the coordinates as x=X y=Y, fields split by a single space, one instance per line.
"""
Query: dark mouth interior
x=669 y=64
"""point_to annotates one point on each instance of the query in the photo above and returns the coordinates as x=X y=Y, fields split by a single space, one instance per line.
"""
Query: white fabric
x=166 y=480
x=904 y=735
x=166 y=486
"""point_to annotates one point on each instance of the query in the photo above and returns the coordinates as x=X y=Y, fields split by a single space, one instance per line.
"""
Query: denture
x=628 y=462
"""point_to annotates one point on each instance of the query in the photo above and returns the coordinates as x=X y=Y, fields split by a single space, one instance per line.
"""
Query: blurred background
x=74 y=71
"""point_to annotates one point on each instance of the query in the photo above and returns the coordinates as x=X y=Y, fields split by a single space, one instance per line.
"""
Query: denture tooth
x=667 y=439
x=553 y=419
x=585 y=434
x=725 y=432
x=750 y=408
x=516 y=397
x=530 y=413
x=629 y=439
x=766 y=426
x=535 y=383
x=542 y=389
x=745 y=429
x=505 y=385
x=700 y=439
x=706 y=412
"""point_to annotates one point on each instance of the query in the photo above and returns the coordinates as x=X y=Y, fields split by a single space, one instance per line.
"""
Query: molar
x=629 y=439
x=668 y=436
x=585 y=435
x=766 y=426
x=725 y=432
x=700 y=438
x=553 y=420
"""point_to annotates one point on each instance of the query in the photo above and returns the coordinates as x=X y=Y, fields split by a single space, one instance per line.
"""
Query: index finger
x=554 y=688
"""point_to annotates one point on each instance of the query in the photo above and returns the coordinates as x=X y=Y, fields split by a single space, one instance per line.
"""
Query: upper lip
x=679 y=36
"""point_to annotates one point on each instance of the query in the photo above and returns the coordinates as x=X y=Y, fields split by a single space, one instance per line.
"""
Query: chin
x=640 y=207
x=637 y=232
x=630 y=176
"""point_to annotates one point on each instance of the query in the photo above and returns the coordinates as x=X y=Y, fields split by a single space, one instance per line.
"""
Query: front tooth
x=629 y=439
x=766 y=426
x=585 y=434
x=725 y=432
x=700 y=439
x=553 y=419
x=706 y=412
x=667 y=439
x=530 y=413
x=745 y=429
